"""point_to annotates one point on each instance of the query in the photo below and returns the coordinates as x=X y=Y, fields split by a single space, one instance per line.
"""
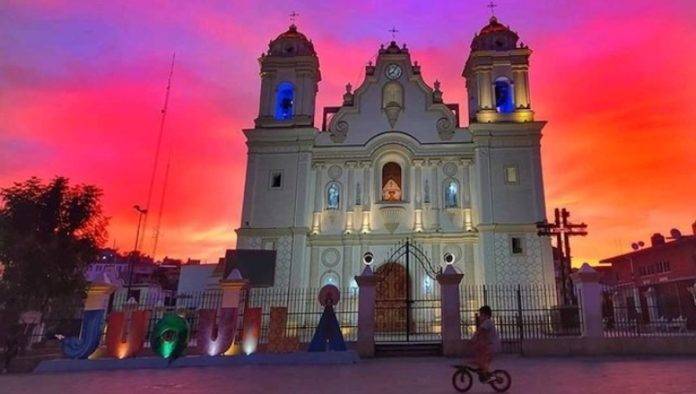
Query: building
x=109 y=264
x=657 y=282
x=393 y=162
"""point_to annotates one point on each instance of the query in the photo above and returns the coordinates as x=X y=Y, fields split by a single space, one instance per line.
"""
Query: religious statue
x=391 y=191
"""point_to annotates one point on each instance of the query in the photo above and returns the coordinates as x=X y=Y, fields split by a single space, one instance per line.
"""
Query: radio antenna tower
x=161 y=207
x=158 y=147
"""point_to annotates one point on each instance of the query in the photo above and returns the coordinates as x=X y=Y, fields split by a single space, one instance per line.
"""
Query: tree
x=49 y=233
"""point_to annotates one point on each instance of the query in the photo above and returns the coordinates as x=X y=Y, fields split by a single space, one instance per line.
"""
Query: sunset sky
x=82 y=85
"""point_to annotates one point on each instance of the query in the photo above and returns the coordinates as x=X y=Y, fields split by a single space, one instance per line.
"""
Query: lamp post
x=141 y=212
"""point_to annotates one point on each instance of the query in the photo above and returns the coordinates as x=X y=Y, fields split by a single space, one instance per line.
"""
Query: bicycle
x=462 y=379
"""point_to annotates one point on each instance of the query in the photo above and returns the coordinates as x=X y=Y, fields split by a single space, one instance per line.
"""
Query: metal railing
x=660 y=310
x=304 y=310
x=519 y=313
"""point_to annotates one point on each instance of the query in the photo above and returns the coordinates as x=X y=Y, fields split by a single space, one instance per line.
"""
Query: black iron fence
x=666 y=309
x=159 y=303
x=304 y=311
x=519 y=313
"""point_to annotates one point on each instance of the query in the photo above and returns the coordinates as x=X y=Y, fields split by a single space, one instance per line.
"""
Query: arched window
x=333 y=195
x=285 y=98
x=504 y=102
x=451 y=194
x=391 y=182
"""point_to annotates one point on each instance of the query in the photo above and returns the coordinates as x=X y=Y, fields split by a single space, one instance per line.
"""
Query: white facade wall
x=317 y=244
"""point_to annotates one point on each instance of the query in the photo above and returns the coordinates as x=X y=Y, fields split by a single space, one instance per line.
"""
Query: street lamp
x=141 y=212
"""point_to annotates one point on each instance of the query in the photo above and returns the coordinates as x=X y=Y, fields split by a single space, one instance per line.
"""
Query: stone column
x=436 y=192
x=589 y=293
x=418 y=203
x=449 y=281
x=318 y=197
x=485 y=85
x=651 y=301
x=519 y=78
x=367 y=198
x=367 y=282
x=98 y=294
x=232 y=288
x=313 y=266
x=347 y=199
x=347 y=264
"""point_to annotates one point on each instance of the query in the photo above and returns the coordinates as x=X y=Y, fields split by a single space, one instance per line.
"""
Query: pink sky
x=81 y=86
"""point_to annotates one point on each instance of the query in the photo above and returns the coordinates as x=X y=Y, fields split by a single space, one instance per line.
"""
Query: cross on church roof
x=293 y=15
x=393 y=31
x=492 y=6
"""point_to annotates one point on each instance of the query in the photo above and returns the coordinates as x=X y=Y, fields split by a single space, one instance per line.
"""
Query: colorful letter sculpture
x=126 y=333
x=216 y=336
x=328 y=334
x=87 y=343
x=278 y=342
x=170 y=336
x=252 y=330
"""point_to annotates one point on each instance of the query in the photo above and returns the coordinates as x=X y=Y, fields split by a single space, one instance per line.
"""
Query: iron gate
x=407 y=303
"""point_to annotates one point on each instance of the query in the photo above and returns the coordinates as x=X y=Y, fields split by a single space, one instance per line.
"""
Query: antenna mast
x=161 y=207
x=159 y=145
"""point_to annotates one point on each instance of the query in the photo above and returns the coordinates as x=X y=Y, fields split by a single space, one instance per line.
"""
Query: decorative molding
x=450 y=169
x=338 y=131
x=445 y=128
x=334 y=172
x=330 y=257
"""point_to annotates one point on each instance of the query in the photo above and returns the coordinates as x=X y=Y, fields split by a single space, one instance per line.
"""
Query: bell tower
x=509 y=198
x=275 y=211
x=496 y=75
x=289 y=81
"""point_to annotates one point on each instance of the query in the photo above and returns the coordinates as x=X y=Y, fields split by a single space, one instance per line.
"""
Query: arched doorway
x=391 y=298
x=407 y=301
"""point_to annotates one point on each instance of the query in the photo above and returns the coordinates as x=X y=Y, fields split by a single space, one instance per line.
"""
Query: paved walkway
x=382 y=376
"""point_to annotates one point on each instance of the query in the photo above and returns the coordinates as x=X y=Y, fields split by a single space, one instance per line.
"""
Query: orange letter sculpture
x=125 y=333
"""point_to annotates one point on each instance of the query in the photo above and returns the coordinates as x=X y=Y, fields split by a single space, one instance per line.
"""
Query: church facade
x=392 y=163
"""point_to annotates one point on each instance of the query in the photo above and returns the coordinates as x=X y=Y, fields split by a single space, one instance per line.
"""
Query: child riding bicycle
x=485 y=341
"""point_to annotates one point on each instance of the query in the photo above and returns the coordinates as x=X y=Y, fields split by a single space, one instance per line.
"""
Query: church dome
x=291 y=43
x=495 y=37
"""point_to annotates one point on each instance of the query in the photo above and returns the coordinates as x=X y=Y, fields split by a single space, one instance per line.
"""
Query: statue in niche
x=391 y=191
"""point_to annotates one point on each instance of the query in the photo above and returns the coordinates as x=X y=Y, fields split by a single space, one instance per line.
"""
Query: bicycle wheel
x=462 y=380
x=502 y=380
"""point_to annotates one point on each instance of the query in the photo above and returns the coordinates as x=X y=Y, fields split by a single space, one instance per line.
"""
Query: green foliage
x=49 y=233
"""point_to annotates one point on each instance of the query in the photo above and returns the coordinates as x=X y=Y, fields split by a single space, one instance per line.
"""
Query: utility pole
x=562 y=229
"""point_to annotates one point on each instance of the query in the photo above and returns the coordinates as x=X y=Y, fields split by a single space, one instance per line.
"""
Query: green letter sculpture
x=170 y=336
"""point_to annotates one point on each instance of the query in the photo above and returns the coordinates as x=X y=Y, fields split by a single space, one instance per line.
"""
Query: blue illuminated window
x=451 y=195
x=504 y=102
x=333 y=195
x=285 y=96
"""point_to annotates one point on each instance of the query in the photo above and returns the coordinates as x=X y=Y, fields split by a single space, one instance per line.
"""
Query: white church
x=393 y=162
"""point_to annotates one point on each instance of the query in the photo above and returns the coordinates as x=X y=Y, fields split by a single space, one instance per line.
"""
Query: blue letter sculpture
x=328 y=334
x=87 y=343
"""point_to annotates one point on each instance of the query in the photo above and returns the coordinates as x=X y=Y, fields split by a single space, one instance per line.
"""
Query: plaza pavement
x=382 y=376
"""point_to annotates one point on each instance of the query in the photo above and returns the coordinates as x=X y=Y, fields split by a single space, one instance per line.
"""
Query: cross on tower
x=393 y=32
x=563 y=229
x=492 y=5
x=293 y=15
